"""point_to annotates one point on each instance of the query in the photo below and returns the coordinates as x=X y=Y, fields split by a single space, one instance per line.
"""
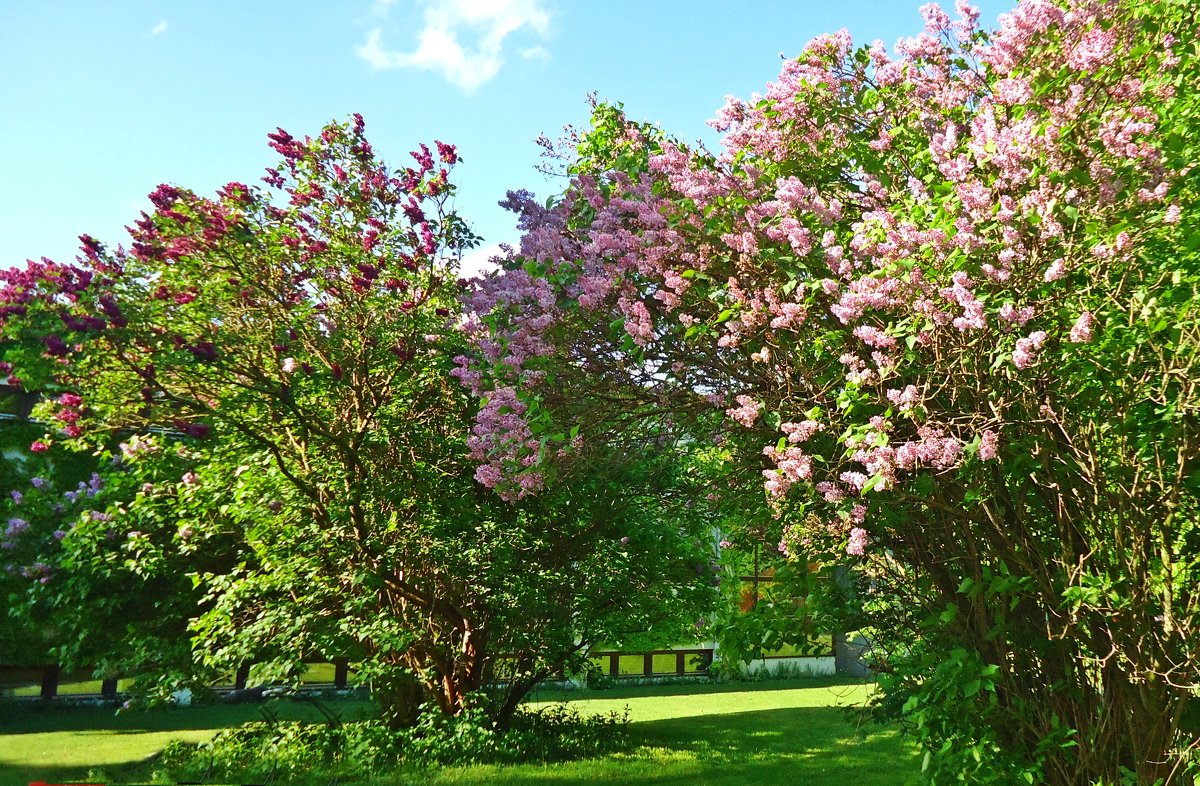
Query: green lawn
x=773 y=733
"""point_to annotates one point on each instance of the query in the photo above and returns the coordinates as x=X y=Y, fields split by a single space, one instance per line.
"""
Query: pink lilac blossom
x=932 y=448
x=1057 y=269
x=1012 y=91
x=638 y=322
x=747 y=410
x=829 y=491
x=793 y=466
x=874 y=337
x=1018 y=31
x=880 y=463
x=1081 y=331
x=854 y=479
x=989 y=445
x=964 y=27
x=1095 y=48
x=857 y=544
x=800 y=432
x=906 y=399
x=1025 y=353
x=1011 y=314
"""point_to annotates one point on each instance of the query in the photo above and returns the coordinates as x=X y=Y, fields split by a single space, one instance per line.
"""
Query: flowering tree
x=86 y=579
x=940 y=303
x=265 y=375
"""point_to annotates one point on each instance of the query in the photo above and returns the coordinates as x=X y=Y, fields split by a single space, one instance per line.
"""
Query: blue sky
x=103 y=101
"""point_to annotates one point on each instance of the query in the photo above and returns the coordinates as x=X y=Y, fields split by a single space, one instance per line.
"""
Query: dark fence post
x=614 y=665
x=108 y=689
x=680 y=663
x=243 y=674
x=24 y=403
x=847 y=655
x=648 y=664
x=50 y=675
x=341 y=673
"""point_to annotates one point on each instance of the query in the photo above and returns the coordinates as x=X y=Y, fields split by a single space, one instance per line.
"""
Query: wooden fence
x=51 y=677
x=682 y=663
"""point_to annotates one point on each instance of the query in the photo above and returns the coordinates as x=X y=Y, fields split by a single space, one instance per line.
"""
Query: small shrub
x=295 y=752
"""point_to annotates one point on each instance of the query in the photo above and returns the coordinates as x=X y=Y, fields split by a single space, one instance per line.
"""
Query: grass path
x=774 y=733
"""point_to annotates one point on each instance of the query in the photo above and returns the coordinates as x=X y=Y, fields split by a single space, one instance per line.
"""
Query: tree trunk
x=400 y=700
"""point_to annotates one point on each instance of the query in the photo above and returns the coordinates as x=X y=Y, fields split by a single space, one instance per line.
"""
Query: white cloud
x=478 y=262
x=535 y=53
x=159 y=28
x=463 y=40
x=381 y=7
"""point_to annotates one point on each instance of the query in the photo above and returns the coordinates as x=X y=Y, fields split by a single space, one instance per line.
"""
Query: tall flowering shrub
x=268 y=370
x=940 y=302
x=98 y=561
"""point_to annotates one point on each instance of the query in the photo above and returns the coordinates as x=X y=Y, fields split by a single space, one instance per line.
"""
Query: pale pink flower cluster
x=638 y=322
x=747 y=410
x=1019 y=30
x=789 y=315
x=1081 y=331
x=963 y=293
x=830 y=491
x=137 y=445
x=1016 y=316
x=937 y=21
x=1025 y=352
x=968 y=21
x=504 y=445
x=857 y=372
x=792 y=465
x=932 y=448
x=1094 y=49
x=1013 y=91
x=857 y=544
x=800 y=432
x=905 y=400
x=1057 y=269
x=874 y=337
x=989 y=444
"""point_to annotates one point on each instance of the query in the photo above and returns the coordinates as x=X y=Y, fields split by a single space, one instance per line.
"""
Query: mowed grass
x=772 y=733
x=61 y=743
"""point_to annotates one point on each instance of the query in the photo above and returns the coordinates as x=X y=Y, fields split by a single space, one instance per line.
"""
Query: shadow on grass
x=765 y=733
x=13 y=775
x=814 y=746
x=37 y=718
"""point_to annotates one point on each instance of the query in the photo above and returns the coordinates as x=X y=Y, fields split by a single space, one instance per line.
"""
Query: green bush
x=295 y=752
